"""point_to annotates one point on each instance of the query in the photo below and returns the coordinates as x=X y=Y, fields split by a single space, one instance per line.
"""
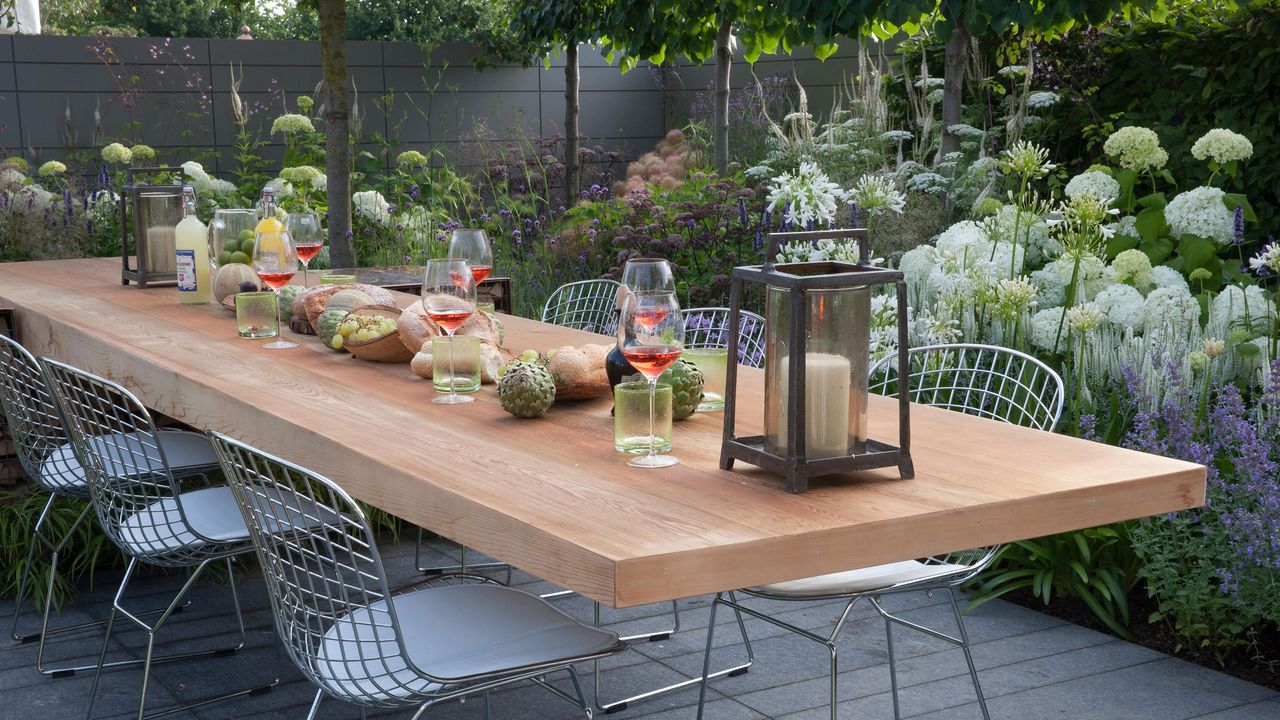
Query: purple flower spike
x=1238 y=228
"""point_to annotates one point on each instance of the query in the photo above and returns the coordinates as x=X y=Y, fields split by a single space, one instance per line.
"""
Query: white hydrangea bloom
x=1033 y=234
x=1054 y=277
x=1236 y=309
x=281 y=187
x=1133 y=267
x=1170 y=309
x=964 y=238
x=34 y=199
x=1200 y=211
x=195 y=171
x=371 y=205
x=1136 y=148
x=1222 y=146
x=320 y=183
x=11 y=176
x=1126 y=226
x=1165 y=276
x=1044 y=328
x=1099 y=184
x=1124 y=306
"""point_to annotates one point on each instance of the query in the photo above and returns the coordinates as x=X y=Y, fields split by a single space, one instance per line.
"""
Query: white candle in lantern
x=826 y=419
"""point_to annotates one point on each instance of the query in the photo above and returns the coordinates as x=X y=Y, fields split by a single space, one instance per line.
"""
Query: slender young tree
x=337 y=138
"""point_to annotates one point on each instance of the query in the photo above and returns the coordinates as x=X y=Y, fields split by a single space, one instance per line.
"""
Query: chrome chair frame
x=325 y=578
x=141 y=508
x=584 y=305
x=988 y=381
x=41 y=444
x=706 y=327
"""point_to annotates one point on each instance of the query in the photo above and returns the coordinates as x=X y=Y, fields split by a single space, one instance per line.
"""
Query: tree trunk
x=724 y=60
x=337 y=139
x=953 y=85
x=572 y=171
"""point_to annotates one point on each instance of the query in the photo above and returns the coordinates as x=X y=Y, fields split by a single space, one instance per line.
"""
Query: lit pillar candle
x=826 y=419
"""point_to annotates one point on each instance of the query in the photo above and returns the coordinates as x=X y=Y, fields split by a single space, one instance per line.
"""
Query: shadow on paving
x=1031 y=665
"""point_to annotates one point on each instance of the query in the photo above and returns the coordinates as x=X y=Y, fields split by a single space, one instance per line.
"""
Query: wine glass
x=648 y=274
x=308 y=238
x=276 y=262
x=449 y=297
x=473 y=246
x=651 y=338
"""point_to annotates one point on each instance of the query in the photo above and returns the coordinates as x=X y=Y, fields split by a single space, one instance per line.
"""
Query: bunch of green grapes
x=362 y=328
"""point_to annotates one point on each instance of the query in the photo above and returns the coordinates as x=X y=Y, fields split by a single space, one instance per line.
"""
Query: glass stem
x=279 y=330
x=453 y=385
x=653 y=394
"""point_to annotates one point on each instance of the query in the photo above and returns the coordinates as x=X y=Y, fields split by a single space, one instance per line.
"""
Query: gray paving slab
x=1031 y=665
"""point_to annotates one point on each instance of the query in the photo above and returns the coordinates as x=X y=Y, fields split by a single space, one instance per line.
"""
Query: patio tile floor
x=1032 y=666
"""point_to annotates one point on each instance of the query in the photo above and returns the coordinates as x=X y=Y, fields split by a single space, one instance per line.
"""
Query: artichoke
x=526 y=389
x=686 y=388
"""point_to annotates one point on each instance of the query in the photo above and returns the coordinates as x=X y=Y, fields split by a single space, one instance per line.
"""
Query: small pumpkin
x=227 y=280
x=327 y=327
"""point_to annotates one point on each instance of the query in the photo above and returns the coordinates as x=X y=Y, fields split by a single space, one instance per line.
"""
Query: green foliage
x=1097 y=565
x=1200 y=71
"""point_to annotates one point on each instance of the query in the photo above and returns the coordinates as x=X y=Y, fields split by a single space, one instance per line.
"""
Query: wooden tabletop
x=551 y=495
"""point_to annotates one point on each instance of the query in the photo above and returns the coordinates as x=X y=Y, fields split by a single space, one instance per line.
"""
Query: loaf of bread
x=492 y=357
x=416 y=328
x=310 y=304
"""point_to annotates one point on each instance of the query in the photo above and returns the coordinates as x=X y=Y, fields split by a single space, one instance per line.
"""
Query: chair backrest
x=321 y=565
x=130 y=484
x=584 y=305
x=984 y=380
x=33 y=421
x=708 y=327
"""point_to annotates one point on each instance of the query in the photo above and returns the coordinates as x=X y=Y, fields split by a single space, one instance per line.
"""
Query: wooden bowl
x=581 y=391
x=386 y=349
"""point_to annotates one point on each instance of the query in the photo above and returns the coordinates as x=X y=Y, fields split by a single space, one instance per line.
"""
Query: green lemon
x=224 y=257
x=239 y=257
x=246 y=235
x=246 y=246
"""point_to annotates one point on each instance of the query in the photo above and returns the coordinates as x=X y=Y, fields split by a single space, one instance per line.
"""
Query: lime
x=224 y=257
x=246 y=246
x=239 y=257
x=246 y=235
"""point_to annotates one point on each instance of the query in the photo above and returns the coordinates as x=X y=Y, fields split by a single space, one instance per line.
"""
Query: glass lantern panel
x=158 y=214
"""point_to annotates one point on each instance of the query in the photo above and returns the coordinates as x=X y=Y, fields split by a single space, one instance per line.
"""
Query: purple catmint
x=853 y=215
x=1238 y=226
x=742 y=212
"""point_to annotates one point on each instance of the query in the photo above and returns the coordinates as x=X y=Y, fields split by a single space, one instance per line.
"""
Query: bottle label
x=187 y=271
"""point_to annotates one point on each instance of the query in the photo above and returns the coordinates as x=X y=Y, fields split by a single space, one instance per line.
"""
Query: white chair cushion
x=184 y=451
x=852 y=582
x=450 y=633
x=158 y=529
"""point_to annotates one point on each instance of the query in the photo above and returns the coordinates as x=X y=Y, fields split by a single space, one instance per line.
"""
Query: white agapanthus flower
x=1027 y=160
x=875 y=194
x=1042 y=99
x=371 y=205
x=1014 y=296
x=1200 y=211
x=1222 y=146
x=1240 y=309
x=1136 y=148
x=1123 y=305
x=1099 y=184
x=808 y=196
x=1269 y=258
x=1044 y=328
x=1032 y=233
x=1165 y=276
x=928 y=328
x=1084 y=317
x=1170 y=309
x=823 y=250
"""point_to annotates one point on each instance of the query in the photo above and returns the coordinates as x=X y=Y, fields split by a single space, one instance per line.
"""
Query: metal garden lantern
x=815 y=410
x=155 y=209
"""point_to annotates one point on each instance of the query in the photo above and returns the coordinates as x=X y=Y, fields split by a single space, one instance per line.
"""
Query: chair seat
x=185 y=451
x=454 y=633
x=853 y=582
x=158 y=529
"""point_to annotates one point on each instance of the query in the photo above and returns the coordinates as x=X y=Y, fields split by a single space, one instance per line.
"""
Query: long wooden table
x=551 y=495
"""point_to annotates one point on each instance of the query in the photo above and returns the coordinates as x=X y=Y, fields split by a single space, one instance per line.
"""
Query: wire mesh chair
x=47 y=458
x=584 y=305
x=143 y=511
x=984 y=380
x=708 y=327
x=357 y=640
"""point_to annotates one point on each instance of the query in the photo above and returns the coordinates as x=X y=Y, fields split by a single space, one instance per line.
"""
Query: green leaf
x=1119 y=244
x=1197 y=251
x=1157 y=250
x=1231 y=200
x=1248 y=350
x=1151 y=224
x=1155 y=200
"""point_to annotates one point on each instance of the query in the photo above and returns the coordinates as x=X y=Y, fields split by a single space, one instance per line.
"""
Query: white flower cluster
x=203 y=182
x=1246 y=309
x=1043 y=99
x=1126 y=226
x=1136 y=148
x=875 y=194
x=1202 y=212
x=1030 y=230
x=823 y=250
x=808 y=196
x=1269 y=258
x=1222 y=146
x=895 y=136
x=965 y=131
x=928 y=182
x=372 y=206
x=1095 y=182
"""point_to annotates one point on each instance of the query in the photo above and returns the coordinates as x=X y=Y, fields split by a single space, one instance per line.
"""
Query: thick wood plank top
x=551 y=495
